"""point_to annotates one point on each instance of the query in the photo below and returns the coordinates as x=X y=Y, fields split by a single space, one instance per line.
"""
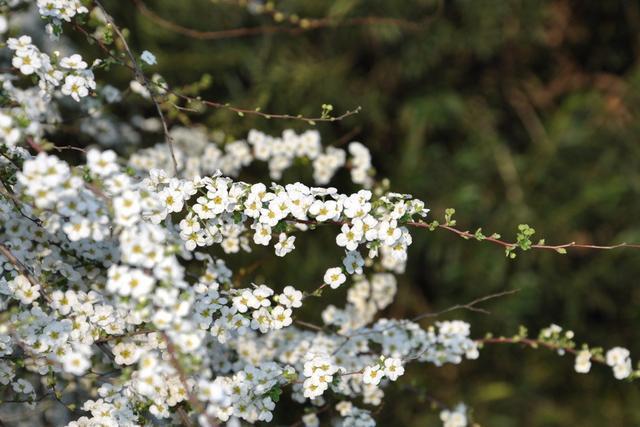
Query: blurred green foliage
x=511 y=111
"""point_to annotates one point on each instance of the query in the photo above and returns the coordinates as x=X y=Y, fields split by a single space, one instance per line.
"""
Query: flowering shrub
x=111 y=292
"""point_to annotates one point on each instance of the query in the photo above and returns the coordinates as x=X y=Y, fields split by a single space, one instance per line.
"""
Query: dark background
x=511 y=112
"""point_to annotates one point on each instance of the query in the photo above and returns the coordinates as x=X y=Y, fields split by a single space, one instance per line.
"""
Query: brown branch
x=62 y=148
x=468 y=235
x=257 y=112
x=304 y=25
x=533 y=343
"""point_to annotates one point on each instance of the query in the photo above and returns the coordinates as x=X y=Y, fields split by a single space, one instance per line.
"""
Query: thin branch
x=257 y=112
x=304 y=25
x=140 y=76
x=468 y=235
x=62 y=148
x=315 y=327
x=533 y=343
x=37 y=399
x=471 y=306
x=211 y=103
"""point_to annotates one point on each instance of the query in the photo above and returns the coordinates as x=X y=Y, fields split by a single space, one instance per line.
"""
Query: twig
x=314 y=327
x=62 y=148
x=140 y=76
x=256 y=112
x=468 y=235
x=471 y=306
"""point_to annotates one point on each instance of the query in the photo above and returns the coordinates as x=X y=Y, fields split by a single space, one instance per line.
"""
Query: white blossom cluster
x=108 y=258
x=618 y=358
x=61 y=10
x=71 y=74
x=114 y=285
x=456 y=417
x=197 y=155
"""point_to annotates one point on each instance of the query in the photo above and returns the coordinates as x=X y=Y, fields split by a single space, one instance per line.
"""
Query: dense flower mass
x=114 y=278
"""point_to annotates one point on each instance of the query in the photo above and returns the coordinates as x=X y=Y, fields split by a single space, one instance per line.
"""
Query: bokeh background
x=511 y=111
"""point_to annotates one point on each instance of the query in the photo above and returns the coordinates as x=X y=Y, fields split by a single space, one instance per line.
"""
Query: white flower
x=290 y=297
x=388 y=232
x=262 y=235
x=77 y=228
x=261 y=320
x=22 y=386
x=75 y=363
x=261 y=295
x=23 y=290
x=618 y=358
x=73 y=62
x=285 y=244
x=393 y=368
x=622 y=370
x=324 y=211
x=245 y=300
x=334 y=277
x=583 y=361
x=75 y=86
x=353 y=262
x=172 y=199
x=27 y=61
x=102 y=163
x=454 y=418
x=126 y=353
x=8 y=132
x=311 y=420
x=372 y=375
x=350 y=237
x=281 y=317
x=148 y=57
